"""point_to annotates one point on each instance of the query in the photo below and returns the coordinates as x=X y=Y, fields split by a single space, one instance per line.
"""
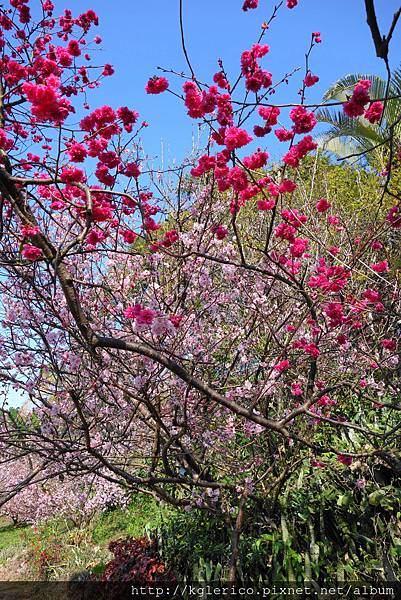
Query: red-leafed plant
x=136 y=560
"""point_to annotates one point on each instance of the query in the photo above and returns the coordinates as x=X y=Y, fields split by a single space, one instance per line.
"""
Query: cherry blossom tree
x=194 y=334
x=77 y=499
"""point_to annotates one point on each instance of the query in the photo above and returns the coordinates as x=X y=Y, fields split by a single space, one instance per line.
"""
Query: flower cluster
x=250 y=4
x=299 y=151
x=355 y=106
x=47 y=103
x=310 y=79
x=303 y=120
x=374 y=113
x=255 y=77
x=156 y=85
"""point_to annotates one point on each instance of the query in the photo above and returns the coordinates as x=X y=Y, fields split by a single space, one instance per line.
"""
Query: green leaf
x=344 y=500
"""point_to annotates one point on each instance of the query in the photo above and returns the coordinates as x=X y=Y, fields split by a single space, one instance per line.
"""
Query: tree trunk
x=235 y=536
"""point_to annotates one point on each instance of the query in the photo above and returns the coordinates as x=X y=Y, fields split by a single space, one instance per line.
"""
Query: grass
x=139 y=517
x=10 y=536
x=12 y=565
x=71 y=549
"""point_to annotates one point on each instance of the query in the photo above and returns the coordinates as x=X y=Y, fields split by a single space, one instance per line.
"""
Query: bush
x=308 y=531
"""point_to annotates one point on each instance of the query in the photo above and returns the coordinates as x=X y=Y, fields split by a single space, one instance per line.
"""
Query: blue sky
x=140 y=35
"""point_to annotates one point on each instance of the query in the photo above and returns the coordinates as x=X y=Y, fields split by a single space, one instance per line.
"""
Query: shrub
x=136 y=560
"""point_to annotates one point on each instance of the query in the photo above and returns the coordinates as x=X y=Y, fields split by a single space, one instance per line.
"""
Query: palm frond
x=336 y=145
x=396 y=81
x=347 y=136
x=342 y=89
x=343 y=125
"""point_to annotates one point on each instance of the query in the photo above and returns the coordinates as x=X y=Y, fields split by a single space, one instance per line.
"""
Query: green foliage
x=328 y=524
x=333 y=523
x=193 y=543
x=348 y=187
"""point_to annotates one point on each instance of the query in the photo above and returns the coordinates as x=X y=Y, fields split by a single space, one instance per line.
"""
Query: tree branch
x=380 y=41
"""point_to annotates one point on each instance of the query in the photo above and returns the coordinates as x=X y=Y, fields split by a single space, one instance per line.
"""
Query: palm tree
x=351 y=136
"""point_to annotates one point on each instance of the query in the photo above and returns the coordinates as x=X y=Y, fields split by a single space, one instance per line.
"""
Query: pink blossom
x=156 y=85
x=380 y=267
x=287 y=186
x=146 y=317
x=237 y=178
x=5 y=143
x=47 y=104
x=374 y=113
x=303 y=120
x=128 y=117
x=341 y=339
x=176 y=320
x=150 y=224
x=199 y=103
x=31 y=252
x=266 y=204
x=102 y=213
x=29 y=230
x=236 y=138
x=132 y=312
x=73 y=48
x=298 y=247
x=220 y=231
x=220 y=79
x=310 y=79
x=326 y=401
x=170 y=238
x=261 y=131
x=294 y=217
x=250 y=4
x=389 y=344
x=104 y=176
x=394 y=218
x=108 y=70
x=205 y=164
x=256 y=160
x=282 y=366
x=95 y=236
x=299 y=151
x=283 y=135
x=128 y=236
x=371 y=295
x=131 y=169
x=322 y=205
x=77 y=152
x=72 y=175
x=345 y=460
x=285 y=232
x=355 y=107
x=333 y=220
x=296 y=389
x=270 y=114
x=255 y=77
